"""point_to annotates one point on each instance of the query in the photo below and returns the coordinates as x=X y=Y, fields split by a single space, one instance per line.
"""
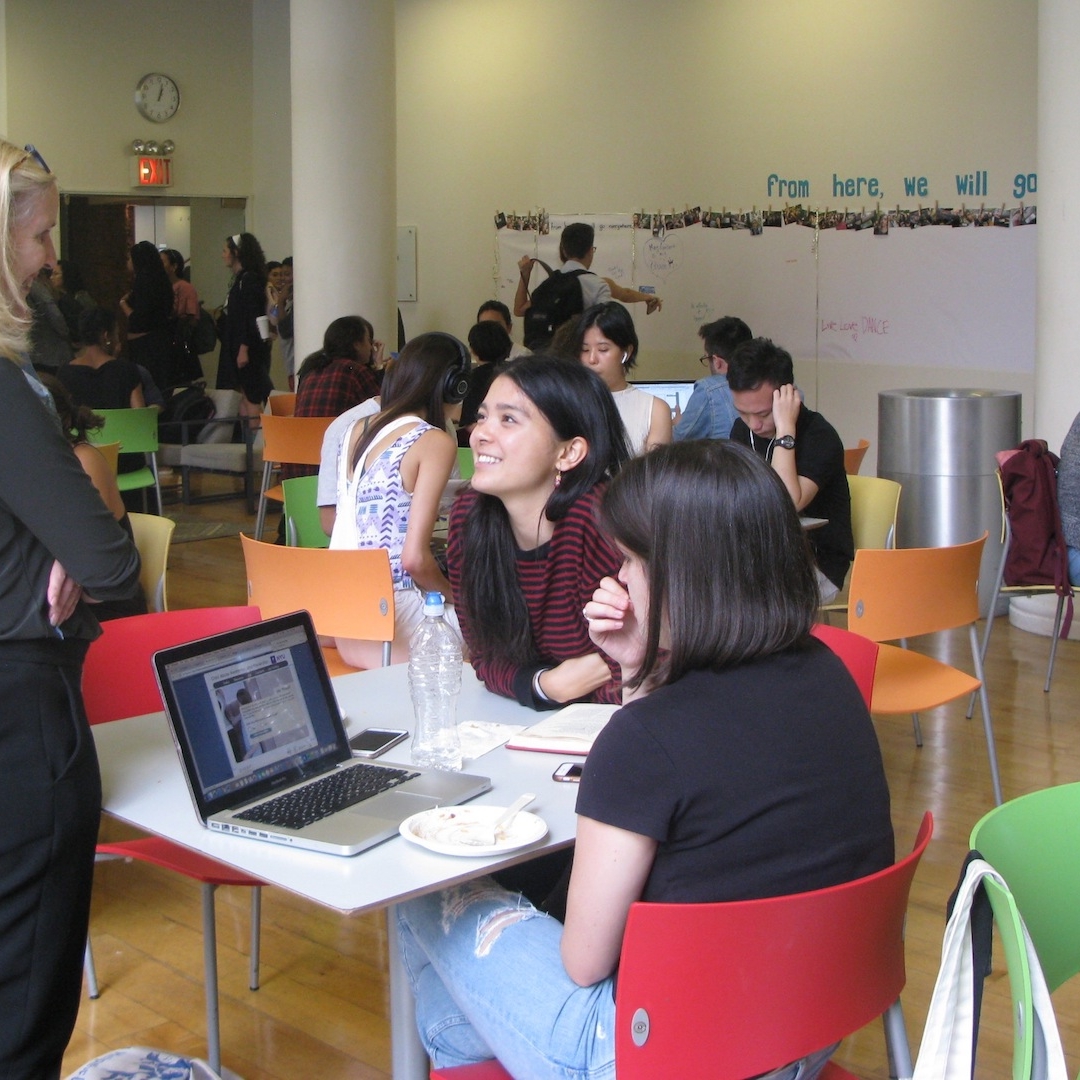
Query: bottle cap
x=434 y=605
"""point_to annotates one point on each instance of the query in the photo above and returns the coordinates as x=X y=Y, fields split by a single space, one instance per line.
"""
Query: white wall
x=611 y=106
x=71 y=71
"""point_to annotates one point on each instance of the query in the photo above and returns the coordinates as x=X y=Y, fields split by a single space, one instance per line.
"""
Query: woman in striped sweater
x=525 y=555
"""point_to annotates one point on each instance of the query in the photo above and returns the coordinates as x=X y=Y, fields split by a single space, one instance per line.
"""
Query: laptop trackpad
x=395 y=805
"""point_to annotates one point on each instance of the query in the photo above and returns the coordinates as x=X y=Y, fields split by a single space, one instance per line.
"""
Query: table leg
x=409 y=1061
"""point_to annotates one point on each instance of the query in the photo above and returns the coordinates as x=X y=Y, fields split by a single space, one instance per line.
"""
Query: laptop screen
x=676 y=392
x=252 y=710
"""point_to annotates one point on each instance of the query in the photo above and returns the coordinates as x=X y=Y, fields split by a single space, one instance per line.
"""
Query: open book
x=568 y=731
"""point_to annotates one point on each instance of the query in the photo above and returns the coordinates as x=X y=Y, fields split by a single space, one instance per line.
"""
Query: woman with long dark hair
x=524 y=552
x=744 y=764
x=392 y=472
x=148 y=307
x=57 y=539
x=244 y=362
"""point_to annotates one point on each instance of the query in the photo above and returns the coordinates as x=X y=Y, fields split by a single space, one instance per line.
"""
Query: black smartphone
x=372 y=741
x=569 y=772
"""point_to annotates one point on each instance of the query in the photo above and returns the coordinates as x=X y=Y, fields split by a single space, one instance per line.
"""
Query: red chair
x=118 y=682
x=860 y=661
x=773 y=980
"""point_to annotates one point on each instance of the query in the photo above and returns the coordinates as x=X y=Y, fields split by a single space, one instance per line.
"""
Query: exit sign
x=151 y=171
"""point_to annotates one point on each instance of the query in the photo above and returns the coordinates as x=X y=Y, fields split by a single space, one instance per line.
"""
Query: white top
x=635 y=407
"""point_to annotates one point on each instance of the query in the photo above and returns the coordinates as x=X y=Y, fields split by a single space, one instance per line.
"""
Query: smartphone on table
x=371 y=742
x=569 y=772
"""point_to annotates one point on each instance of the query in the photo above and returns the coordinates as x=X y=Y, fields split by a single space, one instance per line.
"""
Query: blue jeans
x=1074 y=566
x=489 y=982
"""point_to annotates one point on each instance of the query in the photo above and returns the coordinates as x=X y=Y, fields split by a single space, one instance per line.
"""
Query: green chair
x=1034 y=843
x=466 y=465
x=136 y=430
x=302 y=525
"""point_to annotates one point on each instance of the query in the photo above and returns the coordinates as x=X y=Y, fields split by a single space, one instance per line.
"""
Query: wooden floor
x=322 y=1008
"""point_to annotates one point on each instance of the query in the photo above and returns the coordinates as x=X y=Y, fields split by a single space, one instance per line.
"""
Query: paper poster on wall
x=958 y=297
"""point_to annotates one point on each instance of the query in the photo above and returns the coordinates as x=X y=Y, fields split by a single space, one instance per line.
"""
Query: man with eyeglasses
x=710 y=412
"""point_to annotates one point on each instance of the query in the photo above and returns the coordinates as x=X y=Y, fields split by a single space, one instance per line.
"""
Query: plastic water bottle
x=434 y=683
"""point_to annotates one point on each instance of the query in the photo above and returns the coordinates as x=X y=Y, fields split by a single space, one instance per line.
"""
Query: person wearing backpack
x=565 y=293
x=570 y=290
x=1068 y=493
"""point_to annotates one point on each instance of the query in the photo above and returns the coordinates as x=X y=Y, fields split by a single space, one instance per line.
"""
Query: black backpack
x=185 y=414
x=554 y=301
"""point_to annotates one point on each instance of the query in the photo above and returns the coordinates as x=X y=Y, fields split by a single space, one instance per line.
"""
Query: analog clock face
x=157 y=97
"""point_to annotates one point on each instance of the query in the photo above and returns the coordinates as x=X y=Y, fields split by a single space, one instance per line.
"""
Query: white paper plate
x=448 y=830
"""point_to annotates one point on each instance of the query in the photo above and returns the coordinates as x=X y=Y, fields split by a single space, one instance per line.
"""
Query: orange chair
x=853 y=457
x=774 y=980
x=293 y=440
x=118 y=682
x=906 y=592
x=350 y=594
x=859 y=655
x=283 y=404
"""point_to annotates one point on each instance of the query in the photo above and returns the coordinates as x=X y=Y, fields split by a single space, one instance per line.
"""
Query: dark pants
x=50 y=802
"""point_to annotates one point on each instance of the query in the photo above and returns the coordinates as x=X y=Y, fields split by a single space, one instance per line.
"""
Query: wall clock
x=157 y=97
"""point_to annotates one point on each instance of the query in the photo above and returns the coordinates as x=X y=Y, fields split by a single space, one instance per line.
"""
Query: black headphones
x=456 y=385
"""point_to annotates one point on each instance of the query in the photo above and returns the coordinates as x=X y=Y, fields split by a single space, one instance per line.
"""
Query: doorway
x=96 y=232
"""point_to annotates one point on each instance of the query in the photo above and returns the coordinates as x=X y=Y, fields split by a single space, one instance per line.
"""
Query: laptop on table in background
x=264 y=750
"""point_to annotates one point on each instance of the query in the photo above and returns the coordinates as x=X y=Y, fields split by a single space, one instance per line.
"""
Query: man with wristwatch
x=802 y=447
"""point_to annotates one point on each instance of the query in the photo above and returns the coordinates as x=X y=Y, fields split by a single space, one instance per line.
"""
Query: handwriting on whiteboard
x=662 y=255
x=866 y=324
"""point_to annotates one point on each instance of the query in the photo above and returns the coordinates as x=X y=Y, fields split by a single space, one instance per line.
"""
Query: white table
x=143 y=784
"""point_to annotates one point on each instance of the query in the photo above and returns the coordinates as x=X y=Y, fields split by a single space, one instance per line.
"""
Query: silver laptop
x=264 y=749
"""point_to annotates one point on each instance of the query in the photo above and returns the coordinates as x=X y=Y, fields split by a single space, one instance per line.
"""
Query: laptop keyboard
x=336 y=791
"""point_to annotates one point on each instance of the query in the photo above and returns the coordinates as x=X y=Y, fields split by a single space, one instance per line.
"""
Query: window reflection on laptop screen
x=676 y=392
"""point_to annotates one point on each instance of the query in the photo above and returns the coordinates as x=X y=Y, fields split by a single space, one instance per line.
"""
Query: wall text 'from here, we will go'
x=974 y=184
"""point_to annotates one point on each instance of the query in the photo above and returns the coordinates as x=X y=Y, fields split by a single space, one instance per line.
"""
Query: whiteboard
x=958 y=297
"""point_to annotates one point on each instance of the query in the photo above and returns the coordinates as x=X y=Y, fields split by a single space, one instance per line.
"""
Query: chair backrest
x=1011 y=932
x=152 y=537
x=1034 y=843
x=905 y=592
x=853 y=457
x=466 y=464
x=118 y=675
x=772 y=980
x=302 y=525
x=873 y=511
x=136 y=430
x=858 y=653
x=110 y=451
x=282 y=403
x=294 y=439
x=350 y=594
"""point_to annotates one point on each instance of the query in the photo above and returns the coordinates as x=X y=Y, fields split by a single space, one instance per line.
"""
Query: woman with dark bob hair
x=607 y=342
x=524 y=552
x=743 y=765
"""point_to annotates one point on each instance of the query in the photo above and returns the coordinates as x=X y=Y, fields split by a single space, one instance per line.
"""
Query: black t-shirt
x=819 y=456
x=762 y=780
x=106 y=387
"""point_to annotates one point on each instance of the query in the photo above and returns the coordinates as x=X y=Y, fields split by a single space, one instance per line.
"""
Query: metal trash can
x=939 y=444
